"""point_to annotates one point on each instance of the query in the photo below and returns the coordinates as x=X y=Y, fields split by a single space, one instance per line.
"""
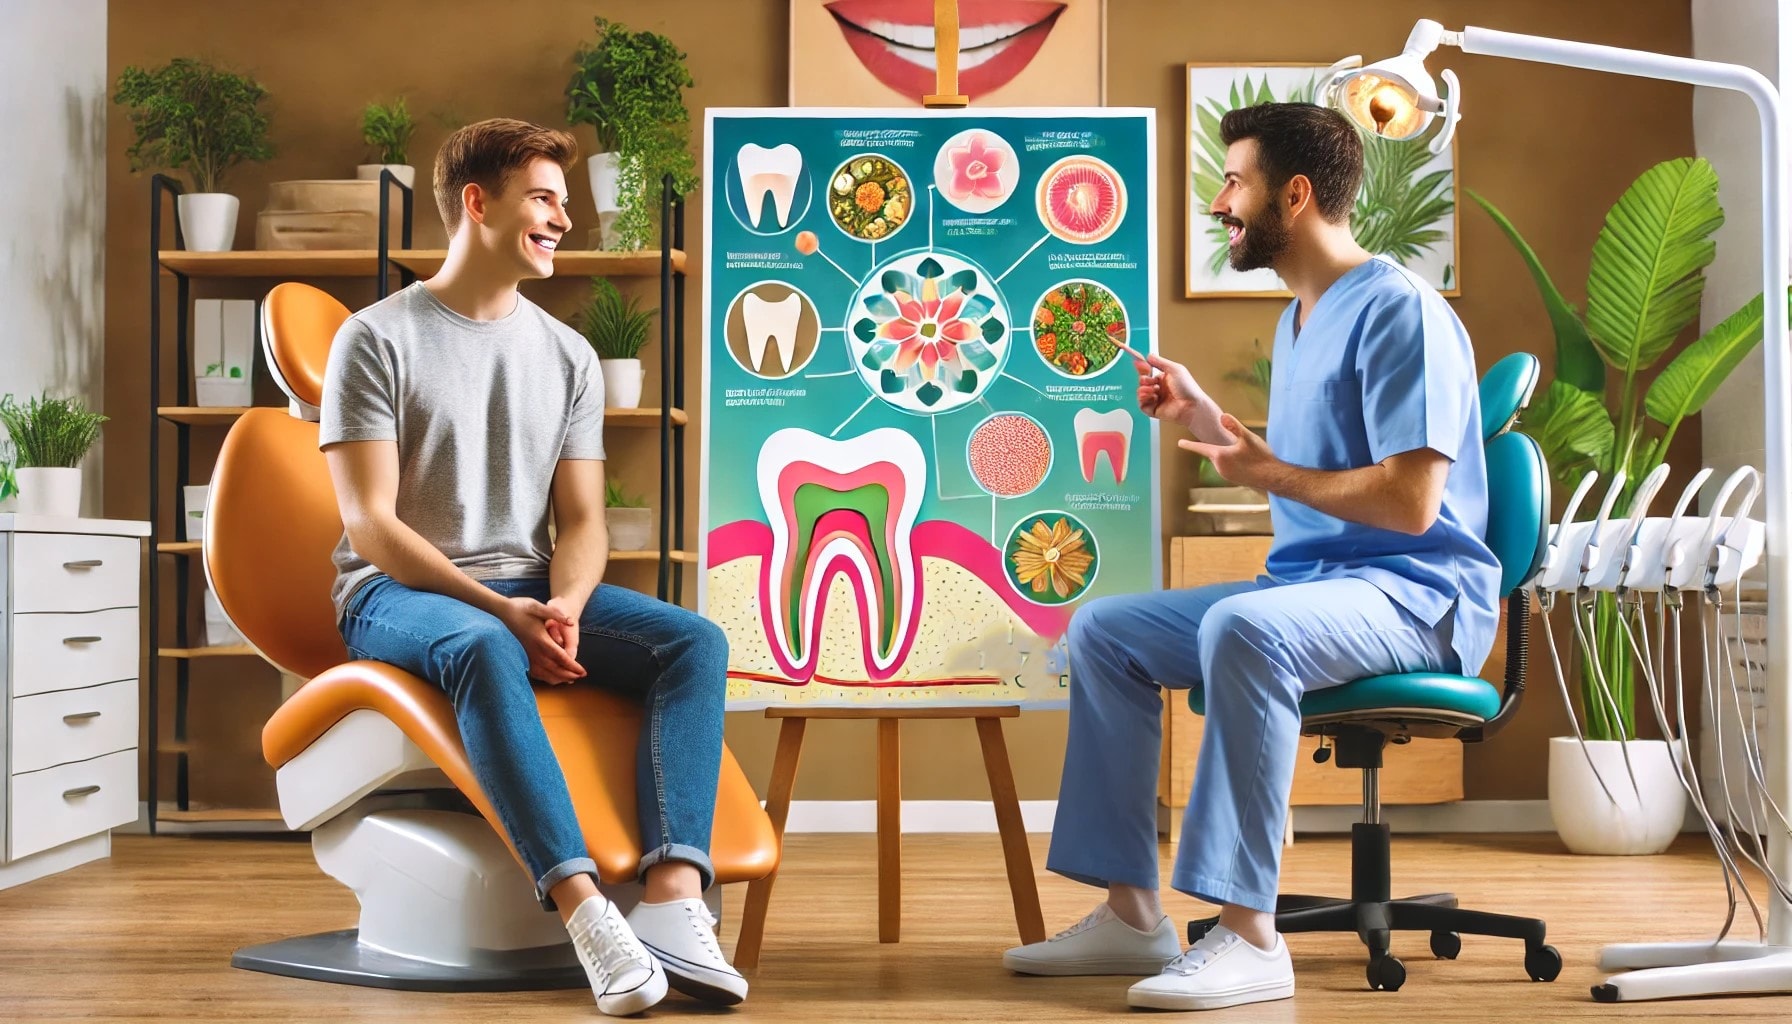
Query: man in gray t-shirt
x=457 y=417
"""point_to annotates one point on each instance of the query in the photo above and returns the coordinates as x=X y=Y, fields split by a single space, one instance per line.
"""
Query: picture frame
x=1418 y=214
x=838 y=59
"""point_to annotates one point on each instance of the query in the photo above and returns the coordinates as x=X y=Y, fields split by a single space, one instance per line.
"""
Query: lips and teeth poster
x=922 y=449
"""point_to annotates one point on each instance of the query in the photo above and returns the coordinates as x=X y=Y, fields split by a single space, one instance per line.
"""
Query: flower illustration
x=930 y=333
x=927 y=329
x=1053 y=557
x=975 y=166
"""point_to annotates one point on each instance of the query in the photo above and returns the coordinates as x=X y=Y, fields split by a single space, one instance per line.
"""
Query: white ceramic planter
x=405 y=173
x=49 y=491
x=622 y=382
x=207 y=220
x=602 y=168
x=193 y=506
x=631 y=529
x=1644 y=819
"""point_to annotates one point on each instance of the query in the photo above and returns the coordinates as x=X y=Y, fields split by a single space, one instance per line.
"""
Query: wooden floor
x=148 y=935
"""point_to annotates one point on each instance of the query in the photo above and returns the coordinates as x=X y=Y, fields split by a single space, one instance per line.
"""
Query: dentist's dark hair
x=1305 y=139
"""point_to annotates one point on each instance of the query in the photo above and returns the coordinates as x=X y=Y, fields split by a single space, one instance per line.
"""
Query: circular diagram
x=1075 y=327
x=772 y=330
x=928 y=332
x=976 y=170
x=1009 y=454
x=1050 y=558
x=870 y=197
x=1081 y=199
x=768 y=189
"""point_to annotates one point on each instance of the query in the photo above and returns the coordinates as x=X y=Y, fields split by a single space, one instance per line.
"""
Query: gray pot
x=1228 y=511
x=631 y=529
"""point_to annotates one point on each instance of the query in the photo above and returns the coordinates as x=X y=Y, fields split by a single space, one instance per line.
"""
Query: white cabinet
x=70 y=647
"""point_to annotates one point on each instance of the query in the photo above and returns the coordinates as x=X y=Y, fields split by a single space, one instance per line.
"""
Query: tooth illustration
x=776 y=320
x=841 y=506
x=772 y=170
x=1099 y=433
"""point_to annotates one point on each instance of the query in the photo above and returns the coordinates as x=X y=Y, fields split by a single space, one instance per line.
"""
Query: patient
x=456 y=415
x=1373 y=465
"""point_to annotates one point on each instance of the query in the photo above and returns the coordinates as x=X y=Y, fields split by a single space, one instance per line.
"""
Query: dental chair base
x=1673 y=970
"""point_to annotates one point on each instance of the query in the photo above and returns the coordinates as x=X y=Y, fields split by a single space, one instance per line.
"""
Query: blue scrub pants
x=1255 y=647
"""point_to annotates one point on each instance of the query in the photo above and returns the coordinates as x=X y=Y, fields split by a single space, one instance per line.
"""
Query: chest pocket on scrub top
x=1329 y=415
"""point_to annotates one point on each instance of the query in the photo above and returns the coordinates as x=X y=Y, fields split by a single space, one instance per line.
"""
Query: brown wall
x=1551 y=147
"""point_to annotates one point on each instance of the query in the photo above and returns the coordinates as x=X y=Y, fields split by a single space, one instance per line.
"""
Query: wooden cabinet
x=1421 y=772
x=70 y=646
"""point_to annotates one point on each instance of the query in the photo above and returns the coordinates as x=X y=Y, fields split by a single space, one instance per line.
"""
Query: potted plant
x=9 y=485
x=628 y=519
x=195 y=118
x=1643 y=289
x=50 y=437
x=629 y=87
x=617 y=330
x=1216 y=505
x=388 y=131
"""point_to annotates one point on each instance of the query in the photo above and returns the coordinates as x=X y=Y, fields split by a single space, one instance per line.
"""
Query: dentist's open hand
x=1247 y=461
x=1172 y=394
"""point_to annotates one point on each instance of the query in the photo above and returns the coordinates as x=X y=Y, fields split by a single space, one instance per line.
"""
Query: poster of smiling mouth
x=1011 y=53
x=922 y=449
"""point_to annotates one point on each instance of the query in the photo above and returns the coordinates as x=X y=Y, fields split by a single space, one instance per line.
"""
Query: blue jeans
x=673 y=659
x=1255 y=648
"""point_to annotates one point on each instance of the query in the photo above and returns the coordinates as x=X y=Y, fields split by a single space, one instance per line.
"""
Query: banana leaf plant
x=1643 y=289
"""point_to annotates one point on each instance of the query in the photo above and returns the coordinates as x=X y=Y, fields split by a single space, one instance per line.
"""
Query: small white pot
x=1645 y=818
x=49 y=491
x=405 y=173
x=193 y=506
x=622 y=382
x=603 y=167
x=207 y=220
x=224 y=392
x=631 y=529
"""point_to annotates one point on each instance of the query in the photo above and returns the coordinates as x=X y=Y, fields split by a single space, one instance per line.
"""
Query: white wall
x=53 y=104
x=1726 y=130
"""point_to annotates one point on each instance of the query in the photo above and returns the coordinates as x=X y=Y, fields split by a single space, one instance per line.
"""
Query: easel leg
x=777 y=807
x=1014 y=831
x=889 y=830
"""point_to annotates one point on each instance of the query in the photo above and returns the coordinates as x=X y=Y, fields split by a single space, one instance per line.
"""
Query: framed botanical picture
x=1406 y=209
x=1011 y=53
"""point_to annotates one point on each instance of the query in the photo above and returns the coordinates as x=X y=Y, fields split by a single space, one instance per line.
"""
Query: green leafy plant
x=388 y=130
x=1397 y=210
x=615 y=327
x=629 y=86
x=1643 y=289
x=50 y=432
x=615 y=497
x=195 y=118
x=9 y=481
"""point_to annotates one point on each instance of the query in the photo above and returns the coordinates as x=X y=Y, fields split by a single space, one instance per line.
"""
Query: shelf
x=227 y=651
x=272 y=263
x=190 y=548
x=643 y=417
x=687 y=557
x=219 y=814
x=567 y=262
x=201 y=415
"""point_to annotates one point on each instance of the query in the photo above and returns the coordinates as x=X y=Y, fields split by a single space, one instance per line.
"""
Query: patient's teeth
x=775 y=320
x=1099 y=432
x=769 y=170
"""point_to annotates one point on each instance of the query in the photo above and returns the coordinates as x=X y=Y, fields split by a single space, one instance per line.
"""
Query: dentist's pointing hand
x=1172 y=394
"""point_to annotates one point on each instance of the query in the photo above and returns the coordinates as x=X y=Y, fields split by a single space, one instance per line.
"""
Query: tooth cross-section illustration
x=1103 y=433
x=775 y=321
x=772 y=170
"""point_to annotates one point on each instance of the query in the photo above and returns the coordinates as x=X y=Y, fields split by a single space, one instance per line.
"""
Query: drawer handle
x=80 y=716
x=82 y=639
x=70 y=794
x=85 y=563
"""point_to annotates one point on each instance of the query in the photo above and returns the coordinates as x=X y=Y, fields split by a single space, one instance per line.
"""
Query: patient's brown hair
x=486 y=153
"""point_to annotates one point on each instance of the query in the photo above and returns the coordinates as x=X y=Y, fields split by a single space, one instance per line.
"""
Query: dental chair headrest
x=298 y=323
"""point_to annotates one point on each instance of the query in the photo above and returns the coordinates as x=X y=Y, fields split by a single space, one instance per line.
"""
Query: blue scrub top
x=1383 y=366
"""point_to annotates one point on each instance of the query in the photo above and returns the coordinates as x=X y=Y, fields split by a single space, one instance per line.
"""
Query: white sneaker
x=624 y=976
x=1219 y=970
x=681 y=935
x=1098 y=944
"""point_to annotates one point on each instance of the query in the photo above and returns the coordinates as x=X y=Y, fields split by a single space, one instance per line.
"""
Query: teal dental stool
x=1363 y=717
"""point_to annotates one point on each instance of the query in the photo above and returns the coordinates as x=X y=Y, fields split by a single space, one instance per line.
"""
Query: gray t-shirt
x=482 y=410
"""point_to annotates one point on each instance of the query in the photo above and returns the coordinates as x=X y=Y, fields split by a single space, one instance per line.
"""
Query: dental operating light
x=1396 y=98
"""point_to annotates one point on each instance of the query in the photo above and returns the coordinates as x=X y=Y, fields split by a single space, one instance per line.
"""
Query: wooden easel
x=889 y=816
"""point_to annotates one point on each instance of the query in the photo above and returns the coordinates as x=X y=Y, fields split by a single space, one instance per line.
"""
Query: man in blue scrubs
x=1373 y=464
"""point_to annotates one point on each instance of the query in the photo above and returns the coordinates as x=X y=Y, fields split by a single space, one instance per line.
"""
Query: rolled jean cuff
x=560 y=873
x=698 y=859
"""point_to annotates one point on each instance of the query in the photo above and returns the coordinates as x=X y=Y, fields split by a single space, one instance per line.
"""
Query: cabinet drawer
x=59 y=805
x=73 y=572
x=66 y=652
x=73 y=725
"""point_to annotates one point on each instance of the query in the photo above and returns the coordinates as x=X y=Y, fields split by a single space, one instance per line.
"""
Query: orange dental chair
x=368 y=758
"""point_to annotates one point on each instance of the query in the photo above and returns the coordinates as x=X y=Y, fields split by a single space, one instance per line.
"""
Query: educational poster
x=922 y=449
